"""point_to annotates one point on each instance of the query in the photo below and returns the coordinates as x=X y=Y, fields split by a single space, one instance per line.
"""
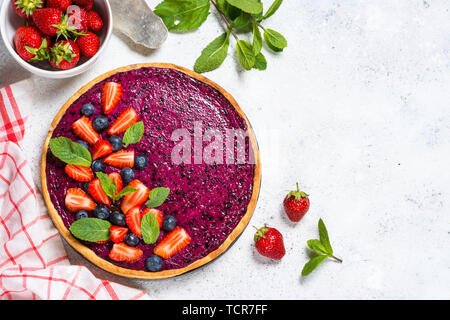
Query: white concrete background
x=357 y=110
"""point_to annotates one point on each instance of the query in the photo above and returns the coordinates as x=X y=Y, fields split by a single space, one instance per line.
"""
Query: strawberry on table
x=122 y=253
x=133 y=220
x=25 y=8
x=136 y=198
x=64 y=55
x=115 y=177
x=125 y=119
x=96 y=191
x=117 y=234
x=30 y=46
x=269 y=243
x=121 y=159
x=296 y=204
x=95 y=22
x=88 y=44
x=76 y=200
x=157 y=213
x=84 y=129
x=59 y=4
x=172 y=243
x=79 y=173
x=111 y=95
x=101 y=149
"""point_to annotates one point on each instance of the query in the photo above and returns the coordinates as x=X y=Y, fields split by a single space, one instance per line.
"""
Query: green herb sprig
x=323 y=249
x=110 y=187
x=70 y=152
x=239 y=16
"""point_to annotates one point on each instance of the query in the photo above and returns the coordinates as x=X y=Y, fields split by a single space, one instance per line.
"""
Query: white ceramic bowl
x=10 y=22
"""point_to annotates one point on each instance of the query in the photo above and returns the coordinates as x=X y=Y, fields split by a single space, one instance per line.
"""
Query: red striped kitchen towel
x=33 y=262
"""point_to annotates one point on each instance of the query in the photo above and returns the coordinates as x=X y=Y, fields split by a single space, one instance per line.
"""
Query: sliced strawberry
x=124 y=120
x=77 y=199
x=84 y=129
x=157 y=213
x=117 y=234
x=136 y=198
x=115 y=177
x=133 y=220
x=101 y=149
x=122 y=252
x=79 y=173
x=96 y=191
x=173 y=242
x=120 y=159
x=111 y=95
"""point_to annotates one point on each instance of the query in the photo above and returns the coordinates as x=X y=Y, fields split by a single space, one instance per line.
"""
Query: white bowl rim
x=51 y=73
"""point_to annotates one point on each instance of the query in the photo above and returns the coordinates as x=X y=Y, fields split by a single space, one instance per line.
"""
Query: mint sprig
x=110 y=187
x=149 y=228
x=70 y=152
x=91 y=229
x=133 y=134
x=322 y=247
x=157 y=197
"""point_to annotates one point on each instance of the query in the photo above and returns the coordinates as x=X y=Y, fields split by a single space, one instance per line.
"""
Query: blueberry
x=86 y=186
x=84 y=144
x=140 y=161
x=127 y=174
x=87 y=109
x=116 y=143
x=101 y=212
x=131 y=239
x=154 y=263
x=100 y=123
x=118 y=219
x=81 y=214
x=98 y=165
x=169 y=223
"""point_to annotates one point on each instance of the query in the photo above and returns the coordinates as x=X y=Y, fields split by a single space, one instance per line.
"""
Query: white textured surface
x=357 y=110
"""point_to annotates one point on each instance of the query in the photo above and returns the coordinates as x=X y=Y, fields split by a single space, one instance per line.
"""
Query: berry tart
x=115 y=186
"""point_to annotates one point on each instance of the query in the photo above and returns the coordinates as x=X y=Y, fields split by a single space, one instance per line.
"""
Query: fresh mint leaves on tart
x=90 y=229
x=149 y=228
x=133 y=134
x=322 y=247
x=70 y=152
x=110 y=187
x=157 y=197
x=239 y=16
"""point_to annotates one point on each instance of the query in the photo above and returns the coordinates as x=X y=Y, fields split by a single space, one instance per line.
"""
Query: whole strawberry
x=30 y=46
x=296 y=204
x=64 y=55
x=269 y=243
x=59 y=4
x=86 y=4
x=77 y=19
x=95 y=22
x=88 y=44
x=25 y=8
x=52 y=22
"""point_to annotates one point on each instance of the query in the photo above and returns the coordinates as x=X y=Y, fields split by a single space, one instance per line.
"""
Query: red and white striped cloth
x=33 y=262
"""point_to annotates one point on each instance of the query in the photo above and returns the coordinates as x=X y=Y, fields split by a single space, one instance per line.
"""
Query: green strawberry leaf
x=316 y=246
x=157 y=197
x=245 y=54
x=90 y=229
x=275 y=40
x=149 y=228
x=323 y=233
x=260 y=62
x=183 y=14
x=249 y=6
x=214 y=54
x=70 y=152
x=273 y=8
x=312 y=264
x=133 y=134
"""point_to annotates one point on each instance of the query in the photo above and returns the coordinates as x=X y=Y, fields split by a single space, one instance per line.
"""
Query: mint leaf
x=323 y=233
x=91 y=229
x=273 y=8
x=228 y=10
x=260 y=62
x=157 y=197
x=149 y=228
x=249 y=6
x=124 y=191
x=275 y=40
x=108 y=186
x=257 y=40
x=316 y=246
x=133 y=134
x=214 y=54
x=312 y=264
x=183 y=14
x=242 y=23
x=70 y=152
x=245 y=54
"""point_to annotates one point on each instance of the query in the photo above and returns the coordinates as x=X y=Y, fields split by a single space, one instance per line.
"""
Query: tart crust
x=139 y=274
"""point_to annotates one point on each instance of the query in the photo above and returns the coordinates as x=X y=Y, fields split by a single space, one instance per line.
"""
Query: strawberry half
x=173 y=242
x=133 y=220
x=79 y=173
x=84 y=129
x=126 y=119
x=76 y=200
x=96 y=191
x=120 y=159
x=111 y=95
x=136 y=198
x=157 y=213
x=122 y=252
x=115 y=177
x=117 y=234
x=101 y=149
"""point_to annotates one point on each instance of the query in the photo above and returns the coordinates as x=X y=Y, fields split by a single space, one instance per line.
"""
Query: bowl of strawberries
x=56 y=38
